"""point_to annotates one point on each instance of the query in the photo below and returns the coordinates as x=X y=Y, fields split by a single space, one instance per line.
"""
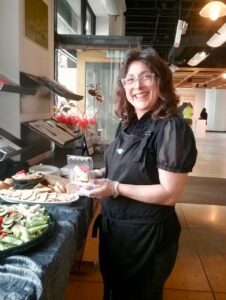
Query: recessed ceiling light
x=224 y=75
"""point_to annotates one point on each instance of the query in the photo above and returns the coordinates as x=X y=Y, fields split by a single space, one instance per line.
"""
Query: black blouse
x=145 y=146
x=173 y=142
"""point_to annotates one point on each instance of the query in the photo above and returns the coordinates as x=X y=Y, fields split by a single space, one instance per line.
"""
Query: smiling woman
x=146 y=167
x=140 y=87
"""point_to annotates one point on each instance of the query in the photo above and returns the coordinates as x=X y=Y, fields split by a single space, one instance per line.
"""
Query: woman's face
x=141 y=87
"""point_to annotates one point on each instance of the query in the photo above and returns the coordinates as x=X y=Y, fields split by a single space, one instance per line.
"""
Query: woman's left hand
x=103 y=189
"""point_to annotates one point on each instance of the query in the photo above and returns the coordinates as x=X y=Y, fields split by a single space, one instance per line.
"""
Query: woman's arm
x=165 y=193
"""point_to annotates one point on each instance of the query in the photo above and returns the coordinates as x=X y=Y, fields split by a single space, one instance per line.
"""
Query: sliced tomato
x=3 y=234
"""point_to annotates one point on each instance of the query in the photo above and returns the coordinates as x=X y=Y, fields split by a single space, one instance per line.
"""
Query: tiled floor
x=200 y=270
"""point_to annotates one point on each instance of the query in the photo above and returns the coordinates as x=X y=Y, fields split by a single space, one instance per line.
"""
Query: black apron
x=131 y=232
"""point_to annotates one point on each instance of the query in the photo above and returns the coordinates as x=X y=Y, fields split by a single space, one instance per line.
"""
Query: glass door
x=98 y=71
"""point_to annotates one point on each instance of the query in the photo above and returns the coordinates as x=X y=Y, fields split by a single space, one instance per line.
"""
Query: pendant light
x=213 y=10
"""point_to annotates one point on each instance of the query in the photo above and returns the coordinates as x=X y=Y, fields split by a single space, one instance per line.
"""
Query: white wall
x=106 y=24
x=37 y=60
x=117 y=23
x=34 y=58
x=110 y=25
x=18 y=53
x=216 y=109
x=9 y=64
x=102 y=25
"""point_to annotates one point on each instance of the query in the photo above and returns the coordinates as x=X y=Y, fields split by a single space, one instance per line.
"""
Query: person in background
x=146 y=168
x=185 y=111
x=203 y=115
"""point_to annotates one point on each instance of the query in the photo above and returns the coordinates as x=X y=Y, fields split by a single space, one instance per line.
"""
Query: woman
x=146 y=168
x=203 y=115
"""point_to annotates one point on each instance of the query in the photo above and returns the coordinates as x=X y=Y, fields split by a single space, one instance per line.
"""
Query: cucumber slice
x=17 y=217
x=38 y=228
x=7 y=220
x=3 y=211
x=11 y=240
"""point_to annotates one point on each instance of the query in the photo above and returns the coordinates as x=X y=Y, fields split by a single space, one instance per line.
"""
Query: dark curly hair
x=167 y=102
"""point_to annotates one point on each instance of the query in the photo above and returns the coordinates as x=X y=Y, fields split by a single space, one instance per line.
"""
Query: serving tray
x=44 y=203
x=28 y=245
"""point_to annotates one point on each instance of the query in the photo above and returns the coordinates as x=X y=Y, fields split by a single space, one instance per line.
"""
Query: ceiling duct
x=173 y=68
x=181 y=29
x=110 y=7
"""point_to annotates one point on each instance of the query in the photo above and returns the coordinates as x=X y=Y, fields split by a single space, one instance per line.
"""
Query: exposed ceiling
x=156 y=21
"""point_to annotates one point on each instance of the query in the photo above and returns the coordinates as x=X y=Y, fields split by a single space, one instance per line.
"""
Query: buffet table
x=41 y=273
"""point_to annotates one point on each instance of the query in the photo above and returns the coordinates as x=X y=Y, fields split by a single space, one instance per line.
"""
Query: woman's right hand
x=97 y=173
x=102 y=188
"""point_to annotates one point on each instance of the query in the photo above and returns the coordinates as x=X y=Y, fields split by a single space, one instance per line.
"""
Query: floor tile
x=83 y=291
x=201 y=215
x=188 y=273
x=87 y=272
x=180 y=215
x=211 y=247
x=211 y=160
x=220 y=296
x=186 y=295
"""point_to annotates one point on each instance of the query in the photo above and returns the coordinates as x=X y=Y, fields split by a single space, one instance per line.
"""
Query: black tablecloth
x=42 y=272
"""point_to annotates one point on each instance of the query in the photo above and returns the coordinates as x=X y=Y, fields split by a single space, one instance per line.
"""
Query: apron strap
x=96 y=225
x=100 y=222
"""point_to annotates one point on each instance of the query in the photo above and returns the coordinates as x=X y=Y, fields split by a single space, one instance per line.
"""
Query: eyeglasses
x=129 y=81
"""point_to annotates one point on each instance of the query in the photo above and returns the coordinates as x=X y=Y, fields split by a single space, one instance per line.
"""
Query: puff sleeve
x=175 y=146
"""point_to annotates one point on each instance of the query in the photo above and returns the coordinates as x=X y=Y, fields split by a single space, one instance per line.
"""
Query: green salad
x=21 y=223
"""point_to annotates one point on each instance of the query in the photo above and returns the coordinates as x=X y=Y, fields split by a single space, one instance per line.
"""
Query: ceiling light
x=224 y=75
x=218 y=38
x=213 y=10
x=197 y=58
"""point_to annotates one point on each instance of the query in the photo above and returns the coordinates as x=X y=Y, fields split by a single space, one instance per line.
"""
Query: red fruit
x=21 y=172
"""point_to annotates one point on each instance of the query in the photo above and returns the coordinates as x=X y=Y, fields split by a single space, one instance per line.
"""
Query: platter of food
x=22 y=227
x=43 y=198
x=36 y=189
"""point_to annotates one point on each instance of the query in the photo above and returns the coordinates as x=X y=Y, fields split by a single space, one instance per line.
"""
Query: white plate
x=45 y=170
x=14 y=200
